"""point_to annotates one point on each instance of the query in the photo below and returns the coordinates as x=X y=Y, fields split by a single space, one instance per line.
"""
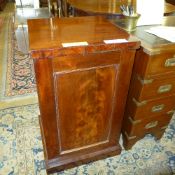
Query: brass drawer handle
x=151 y=125
x=157 y=108
x=164 y=88
x=129 y=137
x=138 y=104
x=133 y=122
x=170 y=62
x=164 y=127
x=144 y=81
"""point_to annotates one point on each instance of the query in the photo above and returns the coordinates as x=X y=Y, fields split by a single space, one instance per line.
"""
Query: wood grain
x=152 y=87
x=82 y=90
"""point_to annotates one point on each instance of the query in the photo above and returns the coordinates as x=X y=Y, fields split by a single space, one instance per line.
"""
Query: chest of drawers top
x=153 y=44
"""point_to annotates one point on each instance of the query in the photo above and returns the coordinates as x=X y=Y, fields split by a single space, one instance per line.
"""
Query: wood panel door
x=82 y=101
x=82 y=88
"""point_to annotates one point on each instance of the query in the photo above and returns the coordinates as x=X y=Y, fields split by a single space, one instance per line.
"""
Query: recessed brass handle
x=164 y=88
x=138 y=104
x=164 y=127
x=170 y=62
x=129 y=137
x=133 y=122
x=157 y=108
x=144 y=81
x=151 y=125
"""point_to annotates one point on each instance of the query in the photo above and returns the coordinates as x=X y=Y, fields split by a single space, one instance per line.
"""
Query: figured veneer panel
x=85 y=101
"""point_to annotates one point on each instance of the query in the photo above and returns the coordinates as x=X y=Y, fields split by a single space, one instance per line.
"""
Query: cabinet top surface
x=53 y=32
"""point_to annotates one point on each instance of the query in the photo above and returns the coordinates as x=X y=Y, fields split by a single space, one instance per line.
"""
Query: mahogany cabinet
x=151 y=100
x=82 y=87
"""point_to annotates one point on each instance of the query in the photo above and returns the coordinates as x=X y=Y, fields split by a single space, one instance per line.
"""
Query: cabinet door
x=82 y=100
x=84 y=103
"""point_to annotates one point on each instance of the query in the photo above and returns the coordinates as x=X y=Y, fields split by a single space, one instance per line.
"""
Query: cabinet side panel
x=84 y=106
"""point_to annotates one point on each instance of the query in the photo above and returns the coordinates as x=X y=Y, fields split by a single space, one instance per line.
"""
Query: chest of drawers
x=151 y=98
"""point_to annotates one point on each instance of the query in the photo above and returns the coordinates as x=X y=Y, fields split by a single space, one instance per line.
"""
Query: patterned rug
x=20 y=73
x=21 y=150
x=17 y=80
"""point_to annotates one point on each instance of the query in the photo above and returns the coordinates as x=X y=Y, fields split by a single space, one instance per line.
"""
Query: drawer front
x=155 y=88
x=140 y=110
x=161 y=63
x=152 y=65
x=129 y=141
x=148 y=125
